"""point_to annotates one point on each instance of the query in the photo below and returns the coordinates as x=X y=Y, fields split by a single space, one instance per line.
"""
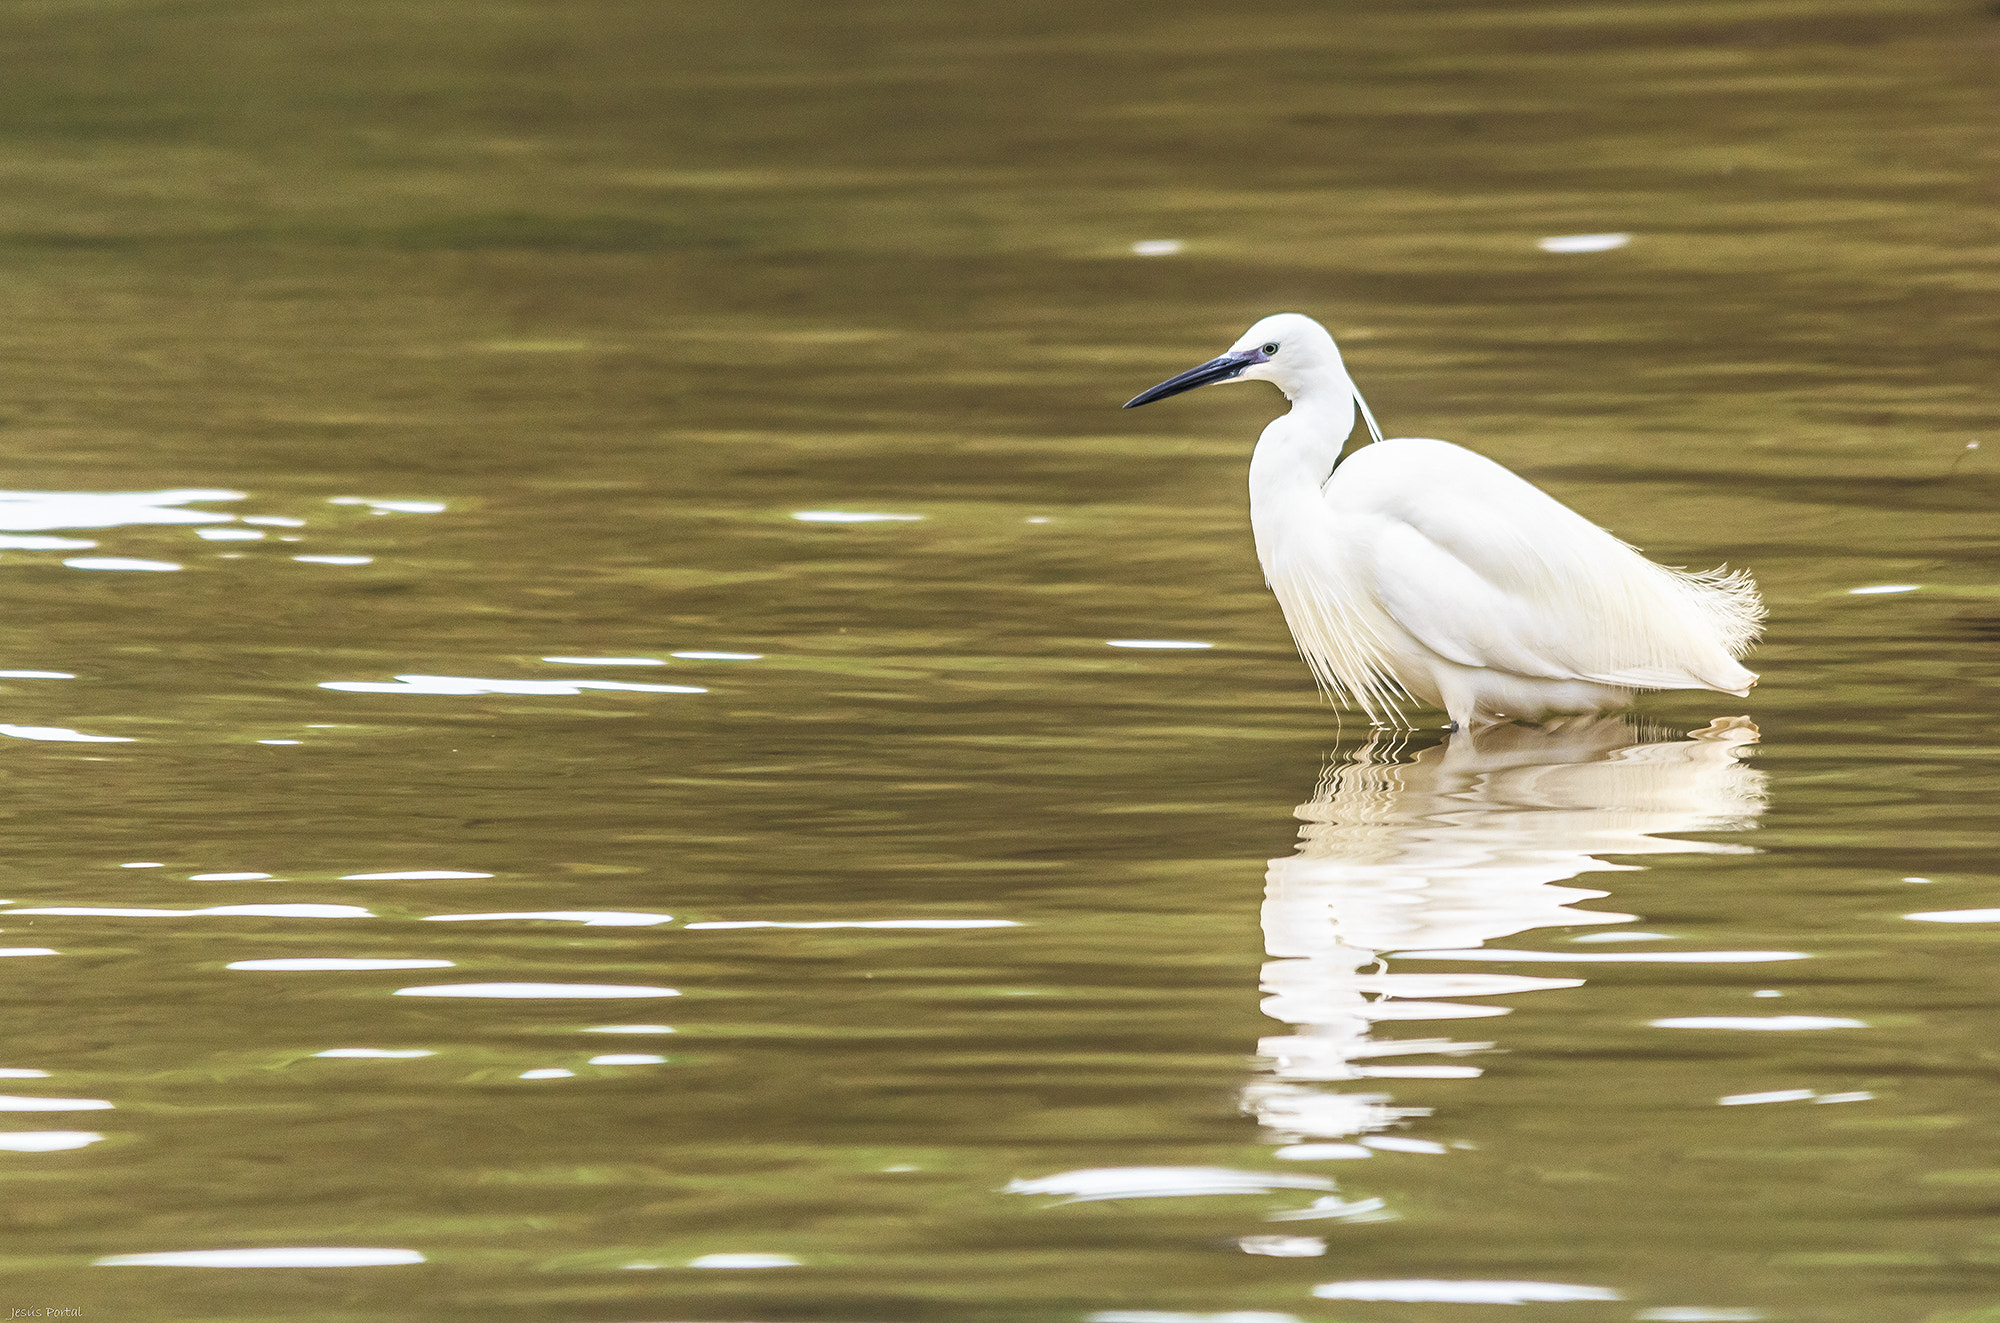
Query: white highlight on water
x=590 y=918
x=459 y=685
x=119 y=563
x=1609 y=957
x=1283 y=1247
x=336 y=962
x=313 y=1256
x=1427 y=1291
x=866 y=923
x=12 y=1104
x=1403 y=1144
x=1583 y=243
x=1090 y=1184
x=850 y=517
x=631 y=1029
x=1770 y=1096
x=391 y=507
x=525 y=990
x=23 y=511
x=294 y=911
x=1322 y=1152
x=46 y=1141
x=62 y=734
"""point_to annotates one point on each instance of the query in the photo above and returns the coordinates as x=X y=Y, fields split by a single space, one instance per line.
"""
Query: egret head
x=1288 y=349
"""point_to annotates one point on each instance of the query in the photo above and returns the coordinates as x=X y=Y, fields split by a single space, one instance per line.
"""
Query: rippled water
x=576 y=740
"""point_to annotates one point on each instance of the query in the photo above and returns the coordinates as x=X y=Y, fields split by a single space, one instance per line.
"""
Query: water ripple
x=532 y=990
x=589 y=918
x=313 y=1256
x=458 y=684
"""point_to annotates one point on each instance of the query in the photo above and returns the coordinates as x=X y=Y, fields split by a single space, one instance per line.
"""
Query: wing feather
x=1487 y=570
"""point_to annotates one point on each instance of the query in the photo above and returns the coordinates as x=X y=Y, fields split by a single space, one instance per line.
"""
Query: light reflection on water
x=589 y=918
x=21 y=511
x=456 y=684
x=311 y=1256
x=25 y=511
x=512 y=991
x=47 y=1141
x=1467 y=842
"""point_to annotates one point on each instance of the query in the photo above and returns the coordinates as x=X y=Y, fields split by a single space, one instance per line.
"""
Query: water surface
x=494 y=834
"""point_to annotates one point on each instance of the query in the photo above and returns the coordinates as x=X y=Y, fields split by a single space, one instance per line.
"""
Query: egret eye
x=1270 y=349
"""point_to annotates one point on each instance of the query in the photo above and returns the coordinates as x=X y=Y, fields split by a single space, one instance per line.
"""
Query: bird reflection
x=1458 y=844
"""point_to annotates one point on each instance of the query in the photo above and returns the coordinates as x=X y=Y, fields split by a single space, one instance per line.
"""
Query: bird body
x=1418 y=570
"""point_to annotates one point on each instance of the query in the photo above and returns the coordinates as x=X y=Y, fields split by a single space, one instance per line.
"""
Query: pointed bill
x=1225 y=368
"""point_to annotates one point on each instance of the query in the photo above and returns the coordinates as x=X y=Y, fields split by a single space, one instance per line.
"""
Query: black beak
x=1226 y=368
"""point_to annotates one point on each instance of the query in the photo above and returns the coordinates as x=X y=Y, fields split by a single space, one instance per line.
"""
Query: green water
x=598 y=297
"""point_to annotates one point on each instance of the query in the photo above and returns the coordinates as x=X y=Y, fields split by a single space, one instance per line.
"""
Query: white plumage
x=1419 y=571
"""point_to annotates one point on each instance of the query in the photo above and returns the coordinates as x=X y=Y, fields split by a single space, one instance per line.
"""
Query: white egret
x=1416 y=570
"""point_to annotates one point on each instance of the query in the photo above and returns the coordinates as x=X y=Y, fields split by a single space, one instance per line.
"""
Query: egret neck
x=1303 y=446
x=1298 y=451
